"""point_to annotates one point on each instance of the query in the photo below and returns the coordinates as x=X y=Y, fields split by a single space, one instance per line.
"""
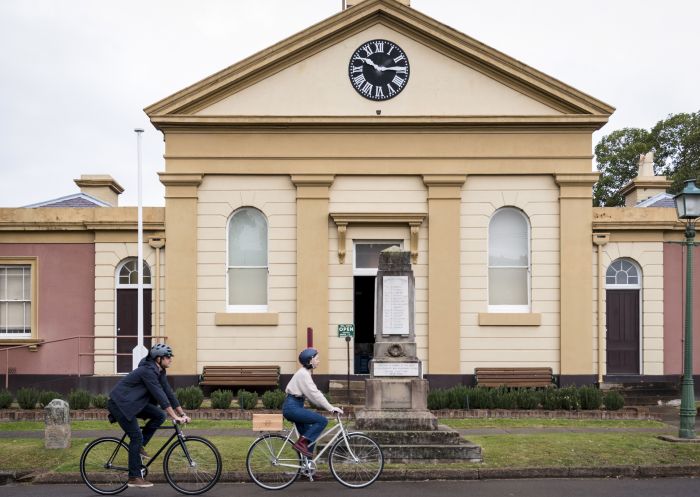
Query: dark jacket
x=147 y=383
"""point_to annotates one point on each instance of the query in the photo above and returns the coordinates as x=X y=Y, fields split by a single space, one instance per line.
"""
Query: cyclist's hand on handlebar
x=337 y=410
x=186 y=418
x=180 y=419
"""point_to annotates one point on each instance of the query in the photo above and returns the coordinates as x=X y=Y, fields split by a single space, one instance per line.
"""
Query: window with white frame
x=15 y=301
x=128 y=275
x=366 y=255
x=247 y=261
x=622 y=273
x=509 y=261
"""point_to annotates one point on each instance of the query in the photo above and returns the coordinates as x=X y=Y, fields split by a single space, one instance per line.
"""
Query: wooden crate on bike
x=267 y=422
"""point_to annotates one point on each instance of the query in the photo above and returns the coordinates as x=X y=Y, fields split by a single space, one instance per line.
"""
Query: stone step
x=401 y=454
x=342 y=384
x=442 y=436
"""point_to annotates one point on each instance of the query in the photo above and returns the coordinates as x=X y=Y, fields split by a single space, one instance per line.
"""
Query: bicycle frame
x=337 y=431
x=178 y=434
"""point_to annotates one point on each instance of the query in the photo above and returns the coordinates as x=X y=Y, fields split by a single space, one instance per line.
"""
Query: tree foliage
x=675 y=142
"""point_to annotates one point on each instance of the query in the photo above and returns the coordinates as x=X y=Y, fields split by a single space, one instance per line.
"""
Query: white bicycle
x=355 y=460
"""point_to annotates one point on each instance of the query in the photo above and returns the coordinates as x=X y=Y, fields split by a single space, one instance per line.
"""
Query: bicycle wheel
x=192 y=466
x=272 y=462
x=104 y=465
x=357 y=463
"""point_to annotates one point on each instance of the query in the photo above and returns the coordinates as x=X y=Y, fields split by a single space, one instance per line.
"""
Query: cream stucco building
x=283 y=181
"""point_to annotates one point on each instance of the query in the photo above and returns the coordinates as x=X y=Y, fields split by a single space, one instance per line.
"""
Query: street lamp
x=688 y=208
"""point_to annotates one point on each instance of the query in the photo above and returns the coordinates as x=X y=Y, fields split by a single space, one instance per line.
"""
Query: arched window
x=127 y=275
x=623 y=273
x=247 y=261
x=509 y=261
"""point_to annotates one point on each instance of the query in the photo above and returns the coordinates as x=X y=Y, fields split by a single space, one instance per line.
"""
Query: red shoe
x=302 y=446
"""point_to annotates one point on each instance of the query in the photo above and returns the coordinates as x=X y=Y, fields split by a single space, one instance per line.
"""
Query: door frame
x=640 y=333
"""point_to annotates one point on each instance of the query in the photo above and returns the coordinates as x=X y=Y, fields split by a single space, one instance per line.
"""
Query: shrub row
x=32 y=398
x=569 y=398
x=192 y=398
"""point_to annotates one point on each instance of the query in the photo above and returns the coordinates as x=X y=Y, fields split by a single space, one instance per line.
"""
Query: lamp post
x=688 y=208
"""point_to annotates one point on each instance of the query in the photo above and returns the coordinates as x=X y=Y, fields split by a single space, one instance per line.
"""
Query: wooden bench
x=244 y=376
x=514 y=377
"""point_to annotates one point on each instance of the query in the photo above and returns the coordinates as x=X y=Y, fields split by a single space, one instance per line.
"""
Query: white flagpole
x=139 y=352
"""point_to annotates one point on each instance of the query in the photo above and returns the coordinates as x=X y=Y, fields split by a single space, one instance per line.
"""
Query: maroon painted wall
x=674 y=308
x=66 y=293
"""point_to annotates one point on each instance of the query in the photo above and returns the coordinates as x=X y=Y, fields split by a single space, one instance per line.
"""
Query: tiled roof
x=79 y=200
x=658 y=200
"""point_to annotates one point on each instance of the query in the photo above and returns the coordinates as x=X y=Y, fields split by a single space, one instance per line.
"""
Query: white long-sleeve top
x=303 y=384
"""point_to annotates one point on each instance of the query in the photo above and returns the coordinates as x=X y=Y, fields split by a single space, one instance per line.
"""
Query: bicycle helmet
x=161 y=350
x=305 y=357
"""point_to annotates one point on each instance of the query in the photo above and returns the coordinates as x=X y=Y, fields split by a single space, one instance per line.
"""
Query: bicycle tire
x=198 y=476
x=361 y=470
x=94 y=463
x=264 y=458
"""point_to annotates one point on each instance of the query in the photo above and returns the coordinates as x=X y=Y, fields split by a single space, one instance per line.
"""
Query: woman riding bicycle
x=309 y=424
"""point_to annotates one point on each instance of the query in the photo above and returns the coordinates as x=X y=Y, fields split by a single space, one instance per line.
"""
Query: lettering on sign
x=396 y=369
x=395 y=305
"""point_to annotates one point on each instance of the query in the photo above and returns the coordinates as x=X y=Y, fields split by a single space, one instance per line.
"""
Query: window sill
x=510 y=319
x=246 y=319
x=32 y=343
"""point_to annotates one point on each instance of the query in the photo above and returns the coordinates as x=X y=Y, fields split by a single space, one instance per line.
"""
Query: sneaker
x=144 y=454
x=138 y=482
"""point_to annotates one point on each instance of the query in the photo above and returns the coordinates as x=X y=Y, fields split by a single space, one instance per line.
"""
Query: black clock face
x=379 y=70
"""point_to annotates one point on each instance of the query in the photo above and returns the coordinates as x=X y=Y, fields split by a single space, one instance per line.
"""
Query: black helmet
x=161 y=350
x=305 y=357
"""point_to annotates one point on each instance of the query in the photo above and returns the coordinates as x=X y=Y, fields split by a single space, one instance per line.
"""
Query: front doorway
x=365 y=264
x=127 y=312
x=623 y=291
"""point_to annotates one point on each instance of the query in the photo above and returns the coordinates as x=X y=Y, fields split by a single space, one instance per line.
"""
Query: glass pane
x=3 y=315
x=508 y=239
x=247 y=286
x=15 y=315
x=626 y=266
x=247 y=239
x=610 y=273
x=508 y=286
x=3 y=284
x=632 y=280
x=632 y=271
x=27 y=283
x=621 y=278
x=129 y=276
x=15 y=284
x=27 y=317
x=367 y=254
x=610 y=280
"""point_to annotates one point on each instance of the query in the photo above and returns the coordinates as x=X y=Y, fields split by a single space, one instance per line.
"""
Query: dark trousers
x=309 y=424
x=138 y=438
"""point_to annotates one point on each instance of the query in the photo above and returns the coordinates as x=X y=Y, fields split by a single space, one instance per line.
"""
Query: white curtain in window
x=247 y=258
x=509 y=258
x=15 y=300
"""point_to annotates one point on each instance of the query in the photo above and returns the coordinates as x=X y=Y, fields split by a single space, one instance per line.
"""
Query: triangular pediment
x=306 y=77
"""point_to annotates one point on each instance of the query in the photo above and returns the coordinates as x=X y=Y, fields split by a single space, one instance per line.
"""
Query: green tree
x=675 y=142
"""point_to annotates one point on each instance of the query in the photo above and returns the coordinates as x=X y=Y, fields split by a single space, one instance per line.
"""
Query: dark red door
x=127 y=324
x=623 y=331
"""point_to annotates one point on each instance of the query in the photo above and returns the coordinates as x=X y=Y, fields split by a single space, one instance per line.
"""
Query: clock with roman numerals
x=379 y=70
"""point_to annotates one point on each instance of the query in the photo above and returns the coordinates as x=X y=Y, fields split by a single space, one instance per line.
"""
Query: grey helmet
x=161 y=350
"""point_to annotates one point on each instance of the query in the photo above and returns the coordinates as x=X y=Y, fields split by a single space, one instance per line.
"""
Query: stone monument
x=396 y=408
x=57 y=425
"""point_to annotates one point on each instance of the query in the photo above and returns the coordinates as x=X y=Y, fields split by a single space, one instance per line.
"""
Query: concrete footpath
x=669 y=415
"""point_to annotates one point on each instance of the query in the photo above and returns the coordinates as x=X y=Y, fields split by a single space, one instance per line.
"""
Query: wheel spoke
x=272 y=462
x=357 y=462
x=104 y=466
x=194 y=471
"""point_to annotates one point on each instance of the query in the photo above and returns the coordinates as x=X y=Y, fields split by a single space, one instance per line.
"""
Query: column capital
x=180 y=185
x=312 y=185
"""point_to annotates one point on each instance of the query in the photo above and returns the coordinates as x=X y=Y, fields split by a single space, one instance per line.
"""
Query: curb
x=666 y=471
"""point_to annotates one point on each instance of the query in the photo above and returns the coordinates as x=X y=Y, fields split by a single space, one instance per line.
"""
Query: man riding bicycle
x=138 y=395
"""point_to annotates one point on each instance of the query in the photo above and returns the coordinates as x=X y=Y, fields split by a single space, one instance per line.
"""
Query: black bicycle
x=192 y=465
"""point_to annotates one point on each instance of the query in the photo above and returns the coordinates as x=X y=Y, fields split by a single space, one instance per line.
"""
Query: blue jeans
x=137 y=438
x=309 y=424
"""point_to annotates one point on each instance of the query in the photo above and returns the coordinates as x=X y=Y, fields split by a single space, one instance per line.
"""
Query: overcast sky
x=76 y=74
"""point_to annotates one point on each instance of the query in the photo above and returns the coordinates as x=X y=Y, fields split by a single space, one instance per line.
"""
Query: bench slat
x=254 y=375
x=514 y=377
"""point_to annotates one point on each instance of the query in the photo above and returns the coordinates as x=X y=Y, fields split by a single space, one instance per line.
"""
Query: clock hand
x=392 y=68
x=369 y=61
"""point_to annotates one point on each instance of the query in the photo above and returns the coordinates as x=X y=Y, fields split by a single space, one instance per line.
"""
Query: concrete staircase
x=644 y=393
x=338 y=391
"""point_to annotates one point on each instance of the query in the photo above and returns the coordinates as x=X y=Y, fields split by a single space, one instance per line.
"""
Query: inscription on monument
x=395 y=305
x=396 y=369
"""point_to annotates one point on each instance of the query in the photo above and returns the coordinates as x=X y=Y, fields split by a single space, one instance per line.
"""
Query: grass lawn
x=504 y=423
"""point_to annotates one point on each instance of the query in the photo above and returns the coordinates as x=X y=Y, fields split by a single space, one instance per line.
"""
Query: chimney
x=351 y=3
x=646 y=184
x=101 y=186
